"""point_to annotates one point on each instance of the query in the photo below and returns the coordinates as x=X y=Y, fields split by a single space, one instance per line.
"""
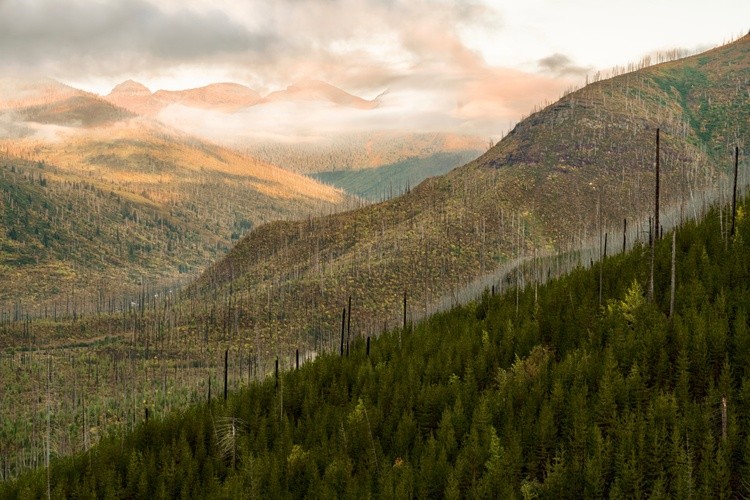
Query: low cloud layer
x=431 y=55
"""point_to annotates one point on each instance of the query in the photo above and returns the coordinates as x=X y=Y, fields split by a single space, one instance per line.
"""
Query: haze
x=472 y=67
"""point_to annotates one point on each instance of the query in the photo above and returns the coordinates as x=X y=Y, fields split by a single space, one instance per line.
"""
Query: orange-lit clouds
x=470 y=65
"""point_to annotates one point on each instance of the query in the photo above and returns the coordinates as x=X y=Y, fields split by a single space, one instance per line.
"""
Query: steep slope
x=517 y=395
x=283 y=287
x=134 y=199
x=539 y=188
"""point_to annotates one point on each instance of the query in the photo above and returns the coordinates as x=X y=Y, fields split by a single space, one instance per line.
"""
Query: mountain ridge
x=229 y=96
x=580 y=164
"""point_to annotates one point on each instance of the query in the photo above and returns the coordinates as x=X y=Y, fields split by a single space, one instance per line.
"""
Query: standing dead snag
x=734 y=190
x=226 y=366
x=656 y=194
x=404 y=309
x=348 y=325
x=655 y=229
x=343 y=325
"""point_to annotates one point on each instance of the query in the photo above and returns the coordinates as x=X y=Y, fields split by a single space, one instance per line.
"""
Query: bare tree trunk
x=404 y=309
x=657 y=227
x=343 y=325
x=226 y=366
x=348 y=325
x=734 y=190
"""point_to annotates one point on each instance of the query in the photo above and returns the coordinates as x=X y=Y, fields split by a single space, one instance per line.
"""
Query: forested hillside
x=580 y=388
x=127 y=202
x=384 y=182
x=357 y=151
x=561 y=178
x=566 y=180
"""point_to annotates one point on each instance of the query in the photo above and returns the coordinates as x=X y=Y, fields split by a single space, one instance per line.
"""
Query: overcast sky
x=480 y=62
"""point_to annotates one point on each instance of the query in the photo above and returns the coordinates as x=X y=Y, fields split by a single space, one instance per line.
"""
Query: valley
x=141 y=263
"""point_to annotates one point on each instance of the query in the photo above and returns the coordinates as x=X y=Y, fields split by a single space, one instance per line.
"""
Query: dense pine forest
x=585 y=387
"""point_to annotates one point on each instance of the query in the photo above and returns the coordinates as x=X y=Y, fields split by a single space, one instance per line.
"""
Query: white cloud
x=476 y=63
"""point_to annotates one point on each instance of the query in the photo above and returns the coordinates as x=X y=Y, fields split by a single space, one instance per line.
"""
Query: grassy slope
x=539 y=187
x=550 y=393
x=128 y=200
x=361 y=150
x=387 y=181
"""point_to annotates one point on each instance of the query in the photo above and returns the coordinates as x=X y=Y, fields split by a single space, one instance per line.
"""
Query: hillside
x=127 y=201
x=539 y=188
x=387 y=181
x=223 y=96
x=77 y=111
x=283 y=287
x=362 y=151
x=17 y=93
x=554 y=391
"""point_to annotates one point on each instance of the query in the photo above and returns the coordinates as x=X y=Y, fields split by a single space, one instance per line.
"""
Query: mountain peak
x=317 y=90
x=226 y=96
x=131 y=87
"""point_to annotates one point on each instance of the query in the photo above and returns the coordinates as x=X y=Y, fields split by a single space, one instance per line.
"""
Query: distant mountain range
x=228 y=97
x=172 y=169
x=94 y=193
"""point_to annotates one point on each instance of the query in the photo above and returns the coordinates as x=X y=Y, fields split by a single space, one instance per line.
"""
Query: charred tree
x=734 y=190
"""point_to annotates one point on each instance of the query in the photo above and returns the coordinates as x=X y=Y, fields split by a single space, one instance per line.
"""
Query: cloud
x=65 y=37
x=562 y=65
x=413 y=48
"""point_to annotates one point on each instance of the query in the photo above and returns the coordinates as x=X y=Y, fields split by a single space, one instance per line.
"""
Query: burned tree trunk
x=734 y=190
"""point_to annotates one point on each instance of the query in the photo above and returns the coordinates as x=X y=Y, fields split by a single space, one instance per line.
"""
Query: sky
x=471 y=65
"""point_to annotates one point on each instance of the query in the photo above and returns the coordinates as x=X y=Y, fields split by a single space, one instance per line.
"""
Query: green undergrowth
x=548 y=393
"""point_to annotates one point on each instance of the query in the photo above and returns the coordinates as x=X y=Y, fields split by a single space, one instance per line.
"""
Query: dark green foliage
x=565 y=399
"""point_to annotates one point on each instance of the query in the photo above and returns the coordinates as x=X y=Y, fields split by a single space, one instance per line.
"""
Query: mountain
x=76 y=111
x=17 y=93
x=136 y=98
x=315 y=90
x=554 y=391
x=131 y=200
x=564 y=179
x=384 y=182
x=226 y=97
x=352 y=151
x=580 y=164
x=297 y=128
